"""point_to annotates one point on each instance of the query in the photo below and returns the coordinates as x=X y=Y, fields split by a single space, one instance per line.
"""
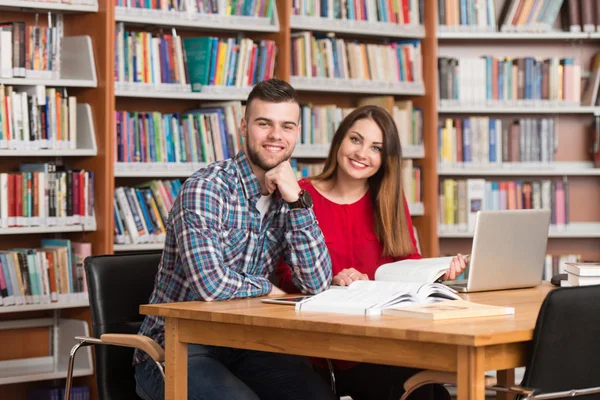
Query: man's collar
x=250 y=183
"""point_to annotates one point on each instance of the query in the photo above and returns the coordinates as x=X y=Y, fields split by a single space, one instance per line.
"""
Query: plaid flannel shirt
x=216 y=247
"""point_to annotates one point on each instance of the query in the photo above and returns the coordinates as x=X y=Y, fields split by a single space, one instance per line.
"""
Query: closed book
x=447 y=310
x=587 y=15
x=583 y=268
x=574 y=16
x=576 y=280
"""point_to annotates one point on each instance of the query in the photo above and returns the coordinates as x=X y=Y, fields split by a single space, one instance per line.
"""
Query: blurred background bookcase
x=556 y=37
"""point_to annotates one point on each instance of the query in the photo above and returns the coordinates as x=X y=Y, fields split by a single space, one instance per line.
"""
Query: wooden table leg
x=471 y=373
x=176 y=362
x=506 y=377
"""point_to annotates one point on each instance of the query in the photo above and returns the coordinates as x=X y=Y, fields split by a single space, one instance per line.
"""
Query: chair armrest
x=530 y=393
x=140 y=342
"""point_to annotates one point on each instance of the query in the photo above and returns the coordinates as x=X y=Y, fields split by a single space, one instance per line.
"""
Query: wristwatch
x=304 y=200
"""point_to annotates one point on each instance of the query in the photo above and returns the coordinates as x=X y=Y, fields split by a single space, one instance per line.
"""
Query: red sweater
x=349 y=235
x=350 y=238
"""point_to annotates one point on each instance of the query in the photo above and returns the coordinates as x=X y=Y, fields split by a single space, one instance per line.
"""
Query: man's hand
x=275 y=291
x=282 y=177
x=346 y=276
x=457 y=266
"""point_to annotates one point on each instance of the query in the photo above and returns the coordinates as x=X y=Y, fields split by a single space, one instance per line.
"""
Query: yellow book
x=449 y=309
x=221 y=55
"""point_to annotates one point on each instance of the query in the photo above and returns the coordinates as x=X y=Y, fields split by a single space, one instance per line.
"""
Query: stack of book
x=582 y=274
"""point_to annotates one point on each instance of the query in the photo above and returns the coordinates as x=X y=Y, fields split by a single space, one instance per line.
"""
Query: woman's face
x=359 y=155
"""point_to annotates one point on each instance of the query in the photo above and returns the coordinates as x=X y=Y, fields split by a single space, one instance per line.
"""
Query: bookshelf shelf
x=35 y=6
x=336 y=85
x=26 y=230
x=558 y=35
x=520 y=169
x=139 y=247
x=77 y=66
x=52 y=366
x=156 y=170
x=182 y=92
x=580 y=230
x=320 y=151
x=198 y=21
x=48 y=82
x=523 y=109
x=379 y=29
x=85 y=146
x=41 y=307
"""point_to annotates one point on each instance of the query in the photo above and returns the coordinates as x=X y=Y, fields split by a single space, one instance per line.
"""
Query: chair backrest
x=117 y=285
x=566 y=342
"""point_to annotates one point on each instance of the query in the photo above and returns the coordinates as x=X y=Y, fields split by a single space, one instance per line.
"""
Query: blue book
x=467 y=139
x=213 y=60
x=463 y=13
x=493 y=139
x=140 y=197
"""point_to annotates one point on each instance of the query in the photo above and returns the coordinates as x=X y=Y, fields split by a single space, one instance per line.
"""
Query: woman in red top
x=362 y=212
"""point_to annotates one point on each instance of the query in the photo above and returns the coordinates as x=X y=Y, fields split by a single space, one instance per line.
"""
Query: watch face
x=306 y=199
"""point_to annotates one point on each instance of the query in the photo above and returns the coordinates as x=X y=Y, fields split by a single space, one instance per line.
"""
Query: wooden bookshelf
x=87 y=73
x=573 y=124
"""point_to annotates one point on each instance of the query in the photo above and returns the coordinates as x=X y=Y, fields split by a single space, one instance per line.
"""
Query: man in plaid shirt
x=228 y=227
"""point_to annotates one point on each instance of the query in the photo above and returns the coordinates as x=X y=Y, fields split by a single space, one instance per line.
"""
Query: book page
x=426 y=270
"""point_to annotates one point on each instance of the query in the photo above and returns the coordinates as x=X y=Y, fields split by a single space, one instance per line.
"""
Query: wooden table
x=468 y=346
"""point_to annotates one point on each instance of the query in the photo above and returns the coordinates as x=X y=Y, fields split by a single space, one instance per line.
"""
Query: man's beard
x=263 y=164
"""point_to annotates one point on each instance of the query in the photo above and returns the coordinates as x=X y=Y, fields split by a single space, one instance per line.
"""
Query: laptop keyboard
x=459 y=284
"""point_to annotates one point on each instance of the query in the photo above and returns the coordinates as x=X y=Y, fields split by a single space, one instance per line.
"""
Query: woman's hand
x=457 y=266
x=346 y=276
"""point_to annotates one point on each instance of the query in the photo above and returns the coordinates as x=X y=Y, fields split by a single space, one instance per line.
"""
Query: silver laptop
x=509 y=248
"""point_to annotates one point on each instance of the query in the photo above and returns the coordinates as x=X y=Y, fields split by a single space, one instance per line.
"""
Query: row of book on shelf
x=206 y=134
x=48 y=274
x=211 y=132
x=401 y=12
x=141 y=212
x=246 y=8
x=46 y=194
x=504 y=80
x=516 y=15
x=460 y=199
x=144 y=57
x=519 y=16
x=325 y=56
x=29 y=50
x=495 y=141
x=37 y=117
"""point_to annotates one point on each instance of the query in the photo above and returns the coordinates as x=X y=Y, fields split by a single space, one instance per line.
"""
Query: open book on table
x=371 y=297
x=425 y=270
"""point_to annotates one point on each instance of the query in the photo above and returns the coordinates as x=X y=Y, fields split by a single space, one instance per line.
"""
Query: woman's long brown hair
x=391 y=225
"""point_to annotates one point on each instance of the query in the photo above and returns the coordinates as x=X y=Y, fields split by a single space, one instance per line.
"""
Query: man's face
x=270 y=131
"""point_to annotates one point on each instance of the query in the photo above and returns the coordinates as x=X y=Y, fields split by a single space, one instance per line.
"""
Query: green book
x=198 y=52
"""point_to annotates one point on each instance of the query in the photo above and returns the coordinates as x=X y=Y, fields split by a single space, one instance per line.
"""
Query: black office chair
x=117 y=285
x=565 y=357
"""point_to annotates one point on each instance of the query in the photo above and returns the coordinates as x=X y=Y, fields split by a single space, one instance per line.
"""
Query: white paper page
x=426 y=270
